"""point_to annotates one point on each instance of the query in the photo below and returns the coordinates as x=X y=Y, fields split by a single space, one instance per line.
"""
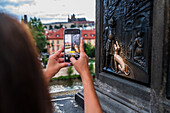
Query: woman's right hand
x=91 y=102
x=81 y=65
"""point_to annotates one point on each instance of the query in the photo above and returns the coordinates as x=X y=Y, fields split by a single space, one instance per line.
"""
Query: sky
x=49 y=10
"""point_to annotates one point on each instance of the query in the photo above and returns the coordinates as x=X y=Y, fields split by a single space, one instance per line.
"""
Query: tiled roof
x=59 y=34
x=88 y=34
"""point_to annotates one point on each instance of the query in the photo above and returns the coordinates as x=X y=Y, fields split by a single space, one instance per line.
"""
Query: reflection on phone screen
x=72 y=43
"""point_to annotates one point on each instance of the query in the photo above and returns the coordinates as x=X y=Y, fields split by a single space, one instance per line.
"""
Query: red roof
x=48 y=33
x=88 y=34
x=59 y=34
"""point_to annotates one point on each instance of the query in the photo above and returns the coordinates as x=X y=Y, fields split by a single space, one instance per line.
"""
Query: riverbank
x=65 y=77
x=65 y=85
x=62 y=94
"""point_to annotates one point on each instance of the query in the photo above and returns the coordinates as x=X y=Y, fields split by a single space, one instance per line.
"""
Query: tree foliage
x=91 y=67
x=45 y=27
x=37 y=30
x=89 y=49
x=50 y=27
x=80 y=26
x=61 y=25
x=70 y=71
x=57 y=27
x=73 y=26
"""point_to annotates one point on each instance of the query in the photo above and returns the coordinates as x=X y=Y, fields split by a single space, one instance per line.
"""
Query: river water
x=65 y=85
x=63 y=95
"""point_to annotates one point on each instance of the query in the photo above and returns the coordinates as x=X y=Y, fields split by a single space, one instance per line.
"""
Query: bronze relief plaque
x=127 y=27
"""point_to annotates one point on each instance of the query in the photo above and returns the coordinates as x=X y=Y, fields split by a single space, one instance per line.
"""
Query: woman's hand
x=91 y=101
x=81 y=65
x=55 y=63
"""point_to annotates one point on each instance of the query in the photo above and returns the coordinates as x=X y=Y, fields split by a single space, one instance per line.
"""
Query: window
x=57 y=41
x=85 y=35
x=52 y=44
x=58 y=48
x=57 y=35
x=92 y=35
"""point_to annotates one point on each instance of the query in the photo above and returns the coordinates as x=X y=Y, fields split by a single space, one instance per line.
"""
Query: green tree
x=37 y=31
x=45 y=60
x=50 y=27
x=61 y=25
x=70 y=71
x=56 y=27
x=80 y=26
x=89 y=49
x=73 y=26
x=45 y=27
x=91 y=67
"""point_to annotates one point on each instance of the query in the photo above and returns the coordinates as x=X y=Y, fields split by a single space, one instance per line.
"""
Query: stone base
x=79 y=98
x=109 y=105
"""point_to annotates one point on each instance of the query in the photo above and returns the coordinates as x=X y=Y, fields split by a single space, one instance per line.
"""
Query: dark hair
x=22 y=86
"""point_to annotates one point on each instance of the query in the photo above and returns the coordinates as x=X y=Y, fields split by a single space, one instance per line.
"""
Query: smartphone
x=71 y=44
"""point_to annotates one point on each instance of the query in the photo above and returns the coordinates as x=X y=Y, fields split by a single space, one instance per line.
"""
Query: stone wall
x=118 y=92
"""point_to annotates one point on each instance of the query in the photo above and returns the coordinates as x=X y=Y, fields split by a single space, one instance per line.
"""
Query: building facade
x=56 y=38
x=88 y=36
x=72 y=23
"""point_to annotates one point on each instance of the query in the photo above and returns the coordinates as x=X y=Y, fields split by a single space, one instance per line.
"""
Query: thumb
x=73 y=60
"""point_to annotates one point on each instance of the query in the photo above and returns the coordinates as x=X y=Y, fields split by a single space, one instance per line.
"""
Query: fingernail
x=69 y=64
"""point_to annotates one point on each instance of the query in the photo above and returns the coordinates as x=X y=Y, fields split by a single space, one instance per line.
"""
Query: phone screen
x=71 y=44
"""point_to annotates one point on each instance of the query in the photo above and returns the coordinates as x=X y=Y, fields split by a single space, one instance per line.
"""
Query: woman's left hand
x=55 y=63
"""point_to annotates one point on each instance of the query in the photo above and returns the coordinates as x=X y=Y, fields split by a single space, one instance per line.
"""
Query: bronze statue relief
x=120 y=66
x=126 y=35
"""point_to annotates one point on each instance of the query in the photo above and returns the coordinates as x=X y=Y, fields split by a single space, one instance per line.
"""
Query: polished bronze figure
x=126 y=38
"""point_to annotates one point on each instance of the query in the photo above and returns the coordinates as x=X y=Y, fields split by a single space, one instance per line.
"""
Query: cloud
x=50 y=10
x=52 y=15
x=4 y=3
x=3 y=10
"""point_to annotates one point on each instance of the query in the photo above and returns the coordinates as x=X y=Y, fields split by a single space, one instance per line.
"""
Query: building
x=72 y=23
x=56 y=38
x=88 y=36
x=73 y=18
x=25 y=19
x=56 y=25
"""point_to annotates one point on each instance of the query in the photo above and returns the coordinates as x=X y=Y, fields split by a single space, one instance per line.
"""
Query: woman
x=23 y=86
